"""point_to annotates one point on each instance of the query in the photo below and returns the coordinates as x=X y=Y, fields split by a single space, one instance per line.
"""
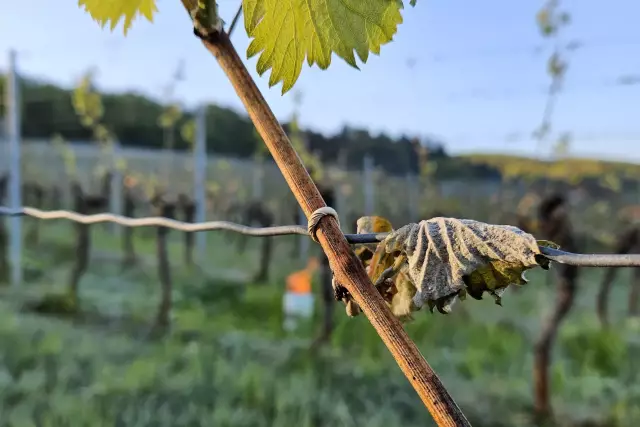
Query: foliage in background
x=299 y=142
x=427 y=185
x=133 y=118
x=67 y=155
x=551 y=20
x=169 y=120
x=88 y=106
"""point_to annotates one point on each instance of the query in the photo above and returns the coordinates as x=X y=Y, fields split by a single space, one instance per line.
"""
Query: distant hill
x=568 y=169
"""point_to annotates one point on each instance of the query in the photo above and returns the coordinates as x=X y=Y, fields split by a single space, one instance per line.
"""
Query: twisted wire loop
x=316 y=216
x=155 y=222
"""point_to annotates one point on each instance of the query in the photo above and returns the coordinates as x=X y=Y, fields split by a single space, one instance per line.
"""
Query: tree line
x=47 y=110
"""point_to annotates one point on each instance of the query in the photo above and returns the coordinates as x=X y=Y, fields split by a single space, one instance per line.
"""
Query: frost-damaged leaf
x=448 y=259
x=367 y=225
x=111 y=11
x=287 y=32
x=441 y=260
x=398 y=290
x=368 y=255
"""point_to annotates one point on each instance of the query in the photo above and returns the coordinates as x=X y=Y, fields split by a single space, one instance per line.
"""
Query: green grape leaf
x=287 y=32
x=112 y=11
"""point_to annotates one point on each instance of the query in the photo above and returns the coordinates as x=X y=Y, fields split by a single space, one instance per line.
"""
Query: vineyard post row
x=200 y=179
x=115 y=193
x=13 y=127
x=200 y=161
x=14 y=137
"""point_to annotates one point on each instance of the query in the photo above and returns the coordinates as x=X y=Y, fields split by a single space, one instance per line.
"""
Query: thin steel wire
x=580 y=260
x=155 y=221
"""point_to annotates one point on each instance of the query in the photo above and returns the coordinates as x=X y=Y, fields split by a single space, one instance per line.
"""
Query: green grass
x=227 y=362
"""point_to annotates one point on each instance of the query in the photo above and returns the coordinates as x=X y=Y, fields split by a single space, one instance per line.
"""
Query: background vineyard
x=226 y=360
x=234 y=179
x=227 y=329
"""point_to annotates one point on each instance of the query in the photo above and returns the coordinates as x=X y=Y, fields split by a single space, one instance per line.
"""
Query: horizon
x=434 y=138
x=493 y=109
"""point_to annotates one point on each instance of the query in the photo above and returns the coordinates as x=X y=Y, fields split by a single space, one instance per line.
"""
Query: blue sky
x=478 y=82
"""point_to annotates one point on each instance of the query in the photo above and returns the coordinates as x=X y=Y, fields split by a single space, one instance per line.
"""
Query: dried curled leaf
x=441 y=260
x=370 y=257
x=449 y=258
x=402 y=304
x=397 y=291
x=371 y=224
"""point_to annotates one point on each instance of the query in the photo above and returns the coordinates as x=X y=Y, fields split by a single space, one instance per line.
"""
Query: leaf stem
x=348 y=270
x=235 y=20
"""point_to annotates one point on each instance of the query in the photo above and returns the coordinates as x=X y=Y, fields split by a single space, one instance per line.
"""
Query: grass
x=227 y=361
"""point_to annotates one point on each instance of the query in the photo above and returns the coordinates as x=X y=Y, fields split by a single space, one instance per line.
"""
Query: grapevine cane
x=348 y=270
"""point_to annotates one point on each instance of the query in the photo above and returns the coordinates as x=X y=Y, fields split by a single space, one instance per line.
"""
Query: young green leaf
x=112 y=11
x=287 y=32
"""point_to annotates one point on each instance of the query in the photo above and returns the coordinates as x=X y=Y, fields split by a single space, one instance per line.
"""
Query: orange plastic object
x=299 y=282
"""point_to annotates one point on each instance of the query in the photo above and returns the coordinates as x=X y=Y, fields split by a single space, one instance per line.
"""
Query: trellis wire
x=580 y=260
